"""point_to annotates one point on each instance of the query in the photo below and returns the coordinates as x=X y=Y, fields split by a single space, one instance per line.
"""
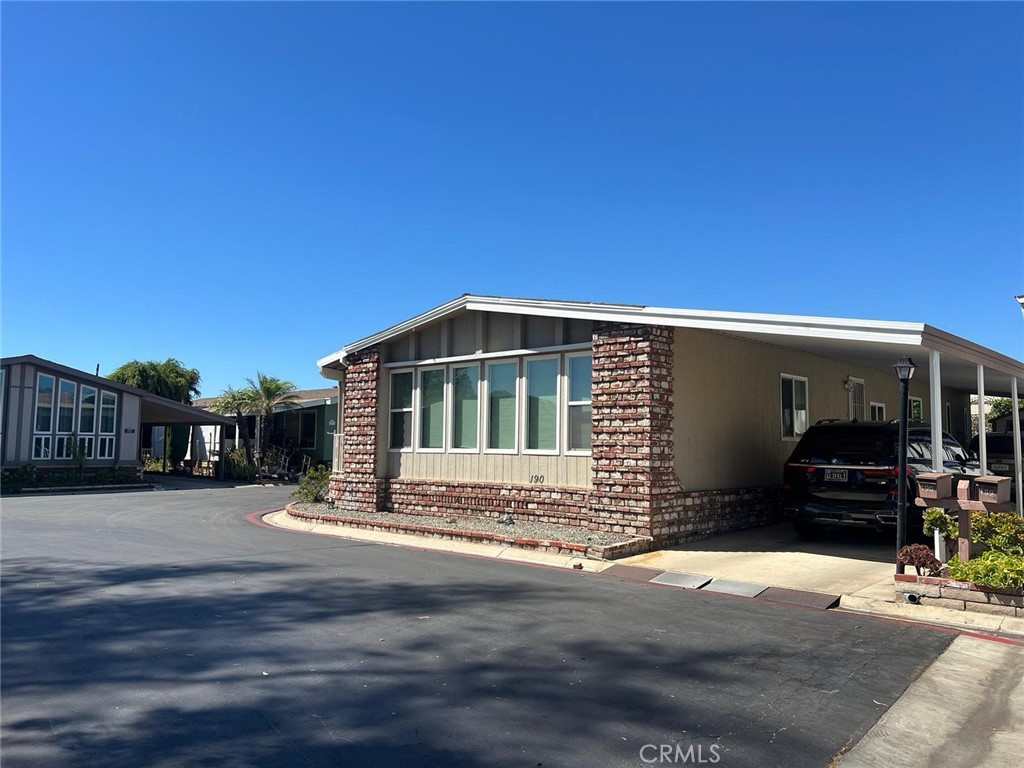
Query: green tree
x=170 y=379
x=267 y=394
x=999 y=406
x=237 y=403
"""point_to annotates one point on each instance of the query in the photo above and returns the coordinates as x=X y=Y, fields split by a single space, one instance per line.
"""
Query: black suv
x=846 y=472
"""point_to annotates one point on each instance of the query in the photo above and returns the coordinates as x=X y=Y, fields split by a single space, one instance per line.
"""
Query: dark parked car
x=846 y=473
x=999 y=447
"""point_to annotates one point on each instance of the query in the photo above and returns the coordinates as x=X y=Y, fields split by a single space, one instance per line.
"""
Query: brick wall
x=544 y=504
x=357 y=487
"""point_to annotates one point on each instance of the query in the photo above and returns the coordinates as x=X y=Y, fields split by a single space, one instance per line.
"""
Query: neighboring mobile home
x=45 y=406
x=659 y=422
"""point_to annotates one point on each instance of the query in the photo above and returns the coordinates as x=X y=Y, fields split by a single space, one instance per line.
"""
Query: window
x=465 y=407
x=542 y=404
x=44 y=404
x=794 y=407
x=502 y=407
x=580 y=373
x=916 y=409
x=41 y=447
x=878 y=411
x=307 y=429
x=87 y=411
x=108 y=413
x=856 y=388
x=87 y=445
x=106 y=447
x=66 y=406
x=432 y=409
x=401 y=411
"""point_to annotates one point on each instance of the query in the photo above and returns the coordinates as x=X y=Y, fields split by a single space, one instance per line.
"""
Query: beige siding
x=561 y=471
x=128 y=440
x=728 y=423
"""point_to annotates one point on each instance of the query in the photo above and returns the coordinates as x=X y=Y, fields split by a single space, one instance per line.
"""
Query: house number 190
x=536 y=478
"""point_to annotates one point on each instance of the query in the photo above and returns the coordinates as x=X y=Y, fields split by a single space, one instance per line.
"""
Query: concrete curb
x=968 y=620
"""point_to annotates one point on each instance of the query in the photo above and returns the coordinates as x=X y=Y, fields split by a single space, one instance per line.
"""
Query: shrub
x=938 y=519
x=313 y=486
x=919 y=556
x=997 y=570
x=237 y=467
x=999 y=531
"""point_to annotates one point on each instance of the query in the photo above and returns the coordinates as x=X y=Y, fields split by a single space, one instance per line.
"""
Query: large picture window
x=465 y=407
x=542 y=404
x=794 y=407
x=307 y=429
x=401 y=411
x=502 y=410
x=432 y=409
x=580 y=373
x=66 y=407
x=87 y=411
x=108 y=413
x=44 y=404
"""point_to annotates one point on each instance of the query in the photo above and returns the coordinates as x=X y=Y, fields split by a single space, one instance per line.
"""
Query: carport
x=158 y=411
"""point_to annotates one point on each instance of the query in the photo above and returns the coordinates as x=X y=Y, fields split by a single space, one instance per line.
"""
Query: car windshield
x=919 y=448
x=845 y=446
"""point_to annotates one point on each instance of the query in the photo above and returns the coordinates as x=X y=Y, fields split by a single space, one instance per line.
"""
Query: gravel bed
x=518 y=528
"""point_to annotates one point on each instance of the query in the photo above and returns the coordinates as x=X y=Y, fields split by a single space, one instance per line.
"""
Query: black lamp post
x=904 y=371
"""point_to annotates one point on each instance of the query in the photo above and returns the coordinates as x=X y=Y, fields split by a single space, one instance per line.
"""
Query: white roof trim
x=836 y=328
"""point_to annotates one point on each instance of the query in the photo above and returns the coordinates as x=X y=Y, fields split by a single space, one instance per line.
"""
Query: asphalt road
x=164 y=629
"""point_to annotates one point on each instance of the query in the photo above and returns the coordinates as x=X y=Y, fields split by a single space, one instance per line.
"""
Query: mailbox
x=935 y=485
x=992 y=489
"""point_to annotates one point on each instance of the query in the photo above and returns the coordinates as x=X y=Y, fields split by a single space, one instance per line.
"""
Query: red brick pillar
x=356 y=488
x=633 y=477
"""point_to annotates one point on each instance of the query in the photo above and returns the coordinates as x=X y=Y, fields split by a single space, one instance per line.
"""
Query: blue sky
x=251 y=186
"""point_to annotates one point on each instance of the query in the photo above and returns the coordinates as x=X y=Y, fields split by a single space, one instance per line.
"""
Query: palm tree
x=237 y=403
x=267 y=394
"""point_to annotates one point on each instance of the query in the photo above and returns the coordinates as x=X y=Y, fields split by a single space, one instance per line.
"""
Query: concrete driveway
x=843 y=561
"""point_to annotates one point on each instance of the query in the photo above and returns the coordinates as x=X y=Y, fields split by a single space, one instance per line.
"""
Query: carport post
x=221 y=458
x=935 y=384
x=1015 y=403
x=982 y=426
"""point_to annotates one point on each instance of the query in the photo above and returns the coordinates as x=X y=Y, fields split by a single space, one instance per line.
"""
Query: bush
x=314 y=484
x=919 y=556
x=999 y=531
x=938 y=519
x=997 y=570
x=237 y=468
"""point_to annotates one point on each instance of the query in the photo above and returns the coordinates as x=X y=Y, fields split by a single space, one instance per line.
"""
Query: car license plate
x=1000 y=467
x=836 y=475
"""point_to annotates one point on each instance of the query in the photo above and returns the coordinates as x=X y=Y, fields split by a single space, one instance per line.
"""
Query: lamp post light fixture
x=904 y=371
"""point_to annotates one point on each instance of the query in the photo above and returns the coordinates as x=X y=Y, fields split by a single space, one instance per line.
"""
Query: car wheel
x=806 y=529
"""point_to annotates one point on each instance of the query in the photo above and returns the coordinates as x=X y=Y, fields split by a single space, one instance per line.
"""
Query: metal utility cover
x=741 y=588
x=800 y=597
x=688 y=580
x=632 y=573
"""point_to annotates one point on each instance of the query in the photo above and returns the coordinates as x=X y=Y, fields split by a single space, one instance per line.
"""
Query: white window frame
x=105 y=440
x=854 y=382
x=807 y=395
x=90 y=445
x=525 y=405
x=74 y=408
x=567 y=389
x=417 y=399
x=485 y=422
x=871 y=411
x=53 y=406
x=411 y=409
x=95 y=410
x=47 y=441
x=451 y=407
x=99 y=424
x=910 y=407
